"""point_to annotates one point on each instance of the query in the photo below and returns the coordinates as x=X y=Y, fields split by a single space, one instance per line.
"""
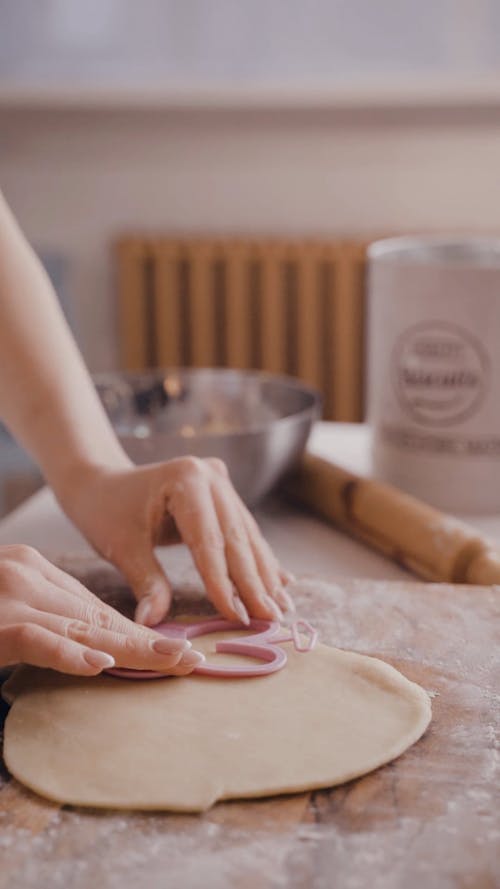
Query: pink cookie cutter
x=262 y=645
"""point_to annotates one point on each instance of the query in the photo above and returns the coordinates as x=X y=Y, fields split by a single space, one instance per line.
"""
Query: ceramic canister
x=434 y=368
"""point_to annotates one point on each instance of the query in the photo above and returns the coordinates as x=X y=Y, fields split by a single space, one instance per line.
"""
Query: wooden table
x=430 y=819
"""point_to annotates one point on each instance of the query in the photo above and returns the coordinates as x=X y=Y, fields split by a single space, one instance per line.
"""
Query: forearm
x=46 y=395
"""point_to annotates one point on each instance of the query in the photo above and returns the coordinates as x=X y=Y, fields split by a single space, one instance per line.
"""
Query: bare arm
x=46 y=396
x=48 y=400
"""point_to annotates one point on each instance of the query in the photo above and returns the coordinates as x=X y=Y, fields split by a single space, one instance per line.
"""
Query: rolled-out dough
x=182 y=743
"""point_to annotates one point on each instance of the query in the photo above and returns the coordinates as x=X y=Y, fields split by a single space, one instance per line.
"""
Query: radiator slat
x=238 y=306
x=328 y=339
x=309 y=352
x=132 y=317
x=272 y=322
x=290 y=274
x=167 y=307
x=220 y=323
x=201 y=259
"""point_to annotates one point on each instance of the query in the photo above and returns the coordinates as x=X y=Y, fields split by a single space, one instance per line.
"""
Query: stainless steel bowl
x=256 y=422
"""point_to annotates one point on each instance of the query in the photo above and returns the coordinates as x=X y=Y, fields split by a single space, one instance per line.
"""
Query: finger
x=160 y=588
x=196 y=518
x=149 y=584
x=267 y=564
x=218 y=466
x=52 y=600
x=52 y=589
x=187 y=664
x=30 y=644
x=26 y=560
x=241 y=563
x=143 y=651
x=287 y=577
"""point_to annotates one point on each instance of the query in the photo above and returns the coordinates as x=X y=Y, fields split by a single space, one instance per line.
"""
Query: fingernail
x=144 y=611
x=240 y=610
x=168 y=645
x=99 y=659
x=271 y=604
x=284 y=599
x=192 y=657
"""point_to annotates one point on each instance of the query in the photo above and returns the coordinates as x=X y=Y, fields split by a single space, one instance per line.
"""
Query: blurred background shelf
x=402 y=93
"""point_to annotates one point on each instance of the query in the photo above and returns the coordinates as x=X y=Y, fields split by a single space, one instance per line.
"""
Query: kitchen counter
x=304 y=544
x=428 y=819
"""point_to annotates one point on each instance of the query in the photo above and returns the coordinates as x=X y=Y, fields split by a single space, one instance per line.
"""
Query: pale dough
x=182 y=744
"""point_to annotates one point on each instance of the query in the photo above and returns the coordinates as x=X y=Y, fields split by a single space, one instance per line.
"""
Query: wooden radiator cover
x=284 y=306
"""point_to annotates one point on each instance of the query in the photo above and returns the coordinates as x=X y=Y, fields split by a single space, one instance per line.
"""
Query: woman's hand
x=49 y=402
x=48 y=619
x=125 y=512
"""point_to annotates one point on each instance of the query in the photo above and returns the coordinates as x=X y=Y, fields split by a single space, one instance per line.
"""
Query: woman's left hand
x=126 y=512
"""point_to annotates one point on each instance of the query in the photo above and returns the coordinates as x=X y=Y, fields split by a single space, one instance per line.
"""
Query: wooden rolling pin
x=418 y=537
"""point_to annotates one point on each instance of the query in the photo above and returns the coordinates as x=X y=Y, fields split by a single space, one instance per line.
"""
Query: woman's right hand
x=49 y=619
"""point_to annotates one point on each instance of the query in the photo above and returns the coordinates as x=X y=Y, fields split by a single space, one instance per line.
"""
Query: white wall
x=77 y=179
x=249 y=42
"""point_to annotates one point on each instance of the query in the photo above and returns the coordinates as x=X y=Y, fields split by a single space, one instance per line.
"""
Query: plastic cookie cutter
x=263 y=646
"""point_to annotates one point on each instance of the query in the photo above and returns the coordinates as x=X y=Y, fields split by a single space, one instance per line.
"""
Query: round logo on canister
x=440 y=373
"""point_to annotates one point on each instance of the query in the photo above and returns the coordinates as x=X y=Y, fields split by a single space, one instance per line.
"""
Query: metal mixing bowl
x=256 y=422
